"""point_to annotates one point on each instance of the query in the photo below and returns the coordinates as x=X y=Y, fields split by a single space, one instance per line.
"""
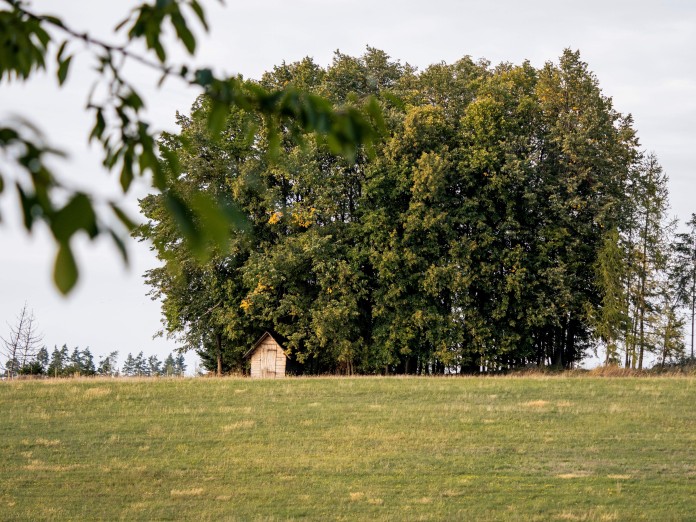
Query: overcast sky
x=643 y=53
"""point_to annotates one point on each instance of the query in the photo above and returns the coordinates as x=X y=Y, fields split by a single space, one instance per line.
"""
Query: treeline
x=141 y=366
x=65 y=363
x=508 y=217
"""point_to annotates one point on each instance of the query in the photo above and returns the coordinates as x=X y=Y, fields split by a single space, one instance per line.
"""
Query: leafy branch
x=129 y=144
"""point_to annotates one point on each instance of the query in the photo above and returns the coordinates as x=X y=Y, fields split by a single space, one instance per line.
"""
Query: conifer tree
x=684 y=273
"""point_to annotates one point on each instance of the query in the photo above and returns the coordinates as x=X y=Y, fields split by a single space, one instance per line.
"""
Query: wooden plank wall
x=268 y=360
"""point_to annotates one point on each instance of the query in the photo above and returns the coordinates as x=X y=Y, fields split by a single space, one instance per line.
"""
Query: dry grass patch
x=37 y=465
x=239 y=425
x=581 y=474
x=536 y=404
x=588 y=515
x=48 y=443
x=186 y=493
x=96 y=392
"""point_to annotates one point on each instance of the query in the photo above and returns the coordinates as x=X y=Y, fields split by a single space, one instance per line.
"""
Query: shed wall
x=268 y=360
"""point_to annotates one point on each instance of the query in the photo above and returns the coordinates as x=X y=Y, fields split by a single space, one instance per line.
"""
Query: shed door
x=268 y=362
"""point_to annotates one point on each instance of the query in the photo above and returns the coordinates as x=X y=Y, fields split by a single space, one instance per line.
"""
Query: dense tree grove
x=508 y=217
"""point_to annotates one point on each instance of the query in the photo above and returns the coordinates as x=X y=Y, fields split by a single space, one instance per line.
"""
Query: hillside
x=349 y=448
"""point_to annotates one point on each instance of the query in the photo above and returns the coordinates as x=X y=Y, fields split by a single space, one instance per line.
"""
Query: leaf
x=182 y=215
x=65 y=271
x=126 y=177
x=77 y=215
x=123 y=217
x=183 y=32
x=59 y=54
x=27 y=205
x=217 y=117
x=99 y=125
x=120 y=245
x=204 y=77
x=199 y=13
x=63 y=68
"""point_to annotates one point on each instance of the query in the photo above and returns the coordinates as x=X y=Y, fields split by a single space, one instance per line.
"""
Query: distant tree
x=684 y=272
x=59 y=359
x=129 y=366
x=140 y=365
x=168 y=366
x=180 y=365
x=87 y=363
x=154 y=366
x=42 y=357
x=22 y=344
x=75 y=362
x=108 y=365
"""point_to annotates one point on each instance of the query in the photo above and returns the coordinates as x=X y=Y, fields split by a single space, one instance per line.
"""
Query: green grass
x=528 y=448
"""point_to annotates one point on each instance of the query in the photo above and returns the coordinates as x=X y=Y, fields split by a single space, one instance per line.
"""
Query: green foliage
x=683 y=272
x=476 y=235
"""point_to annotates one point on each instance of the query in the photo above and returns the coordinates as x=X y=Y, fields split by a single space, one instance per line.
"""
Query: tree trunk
x=693 y=307
x=218 y=342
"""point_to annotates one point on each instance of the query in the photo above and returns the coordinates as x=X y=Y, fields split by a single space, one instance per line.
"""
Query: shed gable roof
x=262 y=339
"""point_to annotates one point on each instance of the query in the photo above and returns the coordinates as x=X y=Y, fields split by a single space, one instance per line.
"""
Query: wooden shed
x=268 y=360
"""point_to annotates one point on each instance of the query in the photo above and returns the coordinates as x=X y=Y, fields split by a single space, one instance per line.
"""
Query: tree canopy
x=476 y=235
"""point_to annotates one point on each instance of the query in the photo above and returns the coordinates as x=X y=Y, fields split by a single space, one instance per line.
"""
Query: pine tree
x=651 y=251
x=55 y=366
x=154 y=366
x=168 y=366
x=129 y=366
x=87 y=363
x=684 y=273
x=42 y=358
x=180 y=365
x=140 y=365
x=75 y=362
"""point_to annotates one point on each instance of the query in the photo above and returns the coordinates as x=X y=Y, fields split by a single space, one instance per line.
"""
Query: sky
x=643 y=53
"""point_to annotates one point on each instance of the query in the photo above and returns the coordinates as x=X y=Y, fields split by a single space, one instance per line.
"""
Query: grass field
x=529 y=448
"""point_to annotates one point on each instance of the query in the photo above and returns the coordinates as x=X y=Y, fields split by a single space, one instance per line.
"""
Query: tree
x=87 y=363
x=22 y=344
x=108 y=365
x=650 y=254
x=168 y=366
x=684 y=272
x=129 y=366
x=154 y=366
x=611 y=316
x=59 y=360
x=472 y=240
x=129 y=144
x=180 y=365
x=42 y=359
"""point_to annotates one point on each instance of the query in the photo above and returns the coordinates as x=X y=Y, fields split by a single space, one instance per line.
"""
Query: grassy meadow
x=522 y=448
